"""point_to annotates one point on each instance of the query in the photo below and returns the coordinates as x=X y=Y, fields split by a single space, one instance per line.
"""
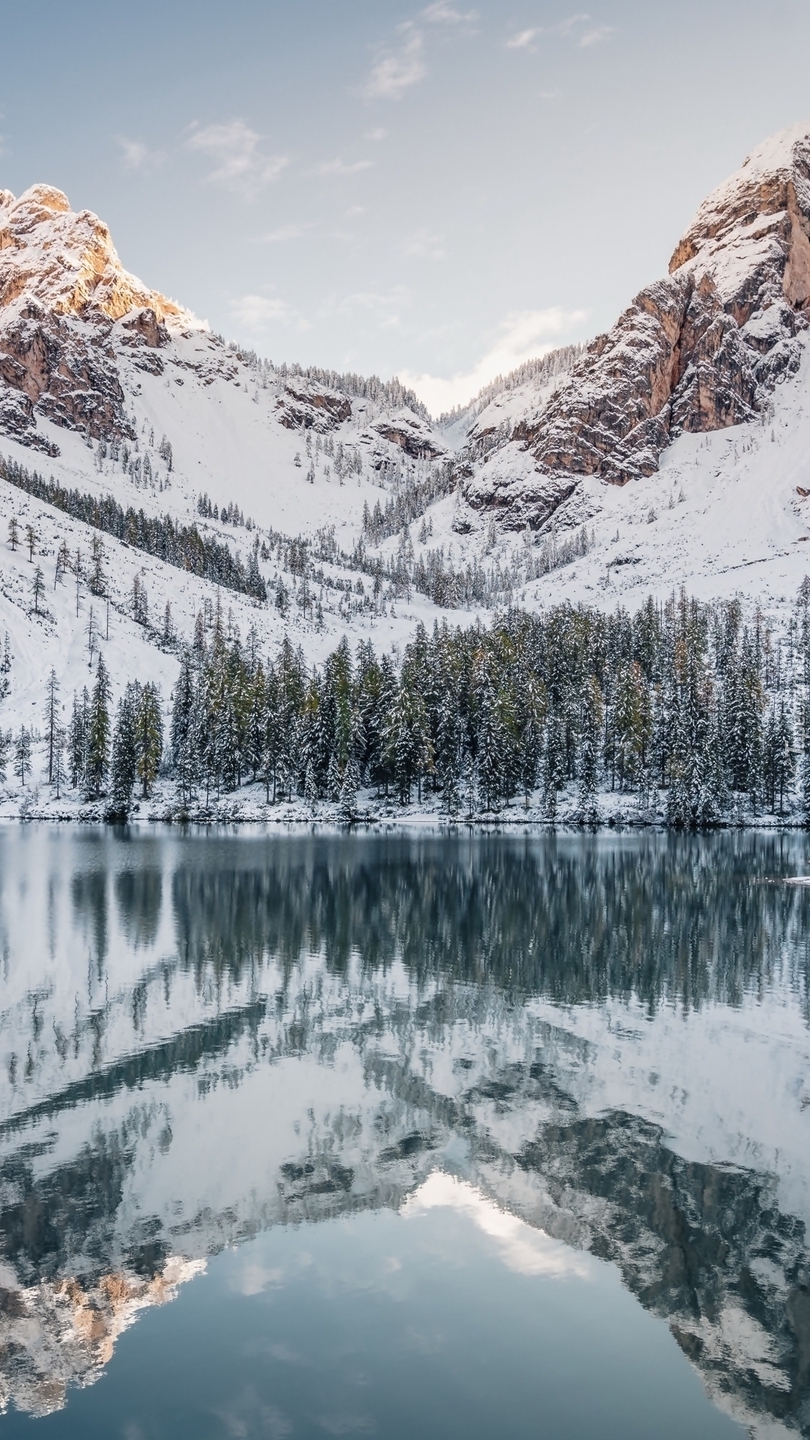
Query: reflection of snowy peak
x=192 y=994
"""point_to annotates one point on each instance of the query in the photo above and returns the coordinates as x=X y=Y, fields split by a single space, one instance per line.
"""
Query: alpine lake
x=410 y=1134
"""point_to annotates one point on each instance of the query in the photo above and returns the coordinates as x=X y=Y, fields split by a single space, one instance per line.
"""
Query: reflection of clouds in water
x=248 y=1416
x=254 y=1279
x=528 y=1251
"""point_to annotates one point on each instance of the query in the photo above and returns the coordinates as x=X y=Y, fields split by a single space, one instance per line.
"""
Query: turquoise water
x=358 y=1135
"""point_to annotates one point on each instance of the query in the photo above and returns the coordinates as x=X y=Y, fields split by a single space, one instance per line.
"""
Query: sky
x=438 y=192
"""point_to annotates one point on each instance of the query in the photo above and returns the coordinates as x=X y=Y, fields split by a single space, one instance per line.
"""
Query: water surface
x=364 y=1135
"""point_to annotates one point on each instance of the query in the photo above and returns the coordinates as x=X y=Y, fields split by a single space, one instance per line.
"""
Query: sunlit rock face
x=66 y=306
x=205 y=1037
x=698 y=351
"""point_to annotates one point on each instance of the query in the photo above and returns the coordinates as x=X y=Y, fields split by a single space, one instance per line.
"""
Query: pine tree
x=98 y=579
x=38 y=588
x=77 y=740
x=51 y=717
x=124 y=767
x=347 y=804
x=148 y=731
x=22 y=755
x=4 y=747
x=13 y=533
x=589 y=746
x=183 y=734
x=98 y=733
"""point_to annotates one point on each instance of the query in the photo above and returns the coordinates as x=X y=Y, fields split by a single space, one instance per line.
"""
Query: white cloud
x=595 y=36
x=521 y=1247
x=256 y=314
x=376 y=135
x=566 y=26
x=441 y=14
x=523 y=337
x=343 y=167
x=137 y=156
x=424 y=245
x=394 y=73
x=523 y=40
x=240 y=164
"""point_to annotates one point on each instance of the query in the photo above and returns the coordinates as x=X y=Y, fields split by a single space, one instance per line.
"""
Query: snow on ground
x=724 y=516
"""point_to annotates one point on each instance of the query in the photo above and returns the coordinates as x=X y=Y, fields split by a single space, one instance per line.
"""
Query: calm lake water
x=404 y=1136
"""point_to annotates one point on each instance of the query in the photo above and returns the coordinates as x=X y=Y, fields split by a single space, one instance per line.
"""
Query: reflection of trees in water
x=88 y=890
x=660 y=918
x=139 y=894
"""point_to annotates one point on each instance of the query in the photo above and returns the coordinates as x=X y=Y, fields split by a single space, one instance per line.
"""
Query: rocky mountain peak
x=699 y=350
x=68 y=311
x=66 y=260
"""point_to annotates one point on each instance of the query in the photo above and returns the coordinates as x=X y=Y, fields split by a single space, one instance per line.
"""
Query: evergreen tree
x=22 y=755
x=98 y=733
x=51 y=717
x=589 y=746
x=148 y=732
x=124 y=766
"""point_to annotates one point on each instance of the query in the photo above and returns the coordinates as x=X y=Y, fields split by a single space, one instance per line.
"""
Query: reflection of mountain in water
x=331 y=1019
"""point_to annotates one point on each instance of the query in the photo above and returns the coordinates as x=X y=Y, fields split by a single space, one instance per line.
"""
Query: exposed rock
x=62 y=290
x=312 y=407
x=697 y=351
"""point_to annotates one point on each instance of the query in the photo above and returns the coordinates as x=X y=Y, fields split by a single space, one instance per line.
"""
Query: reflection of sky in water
x=517 y=1058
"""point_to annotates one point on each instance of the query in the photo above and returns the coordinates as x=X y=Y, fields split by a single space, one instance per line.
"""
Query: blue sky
x=437 y=191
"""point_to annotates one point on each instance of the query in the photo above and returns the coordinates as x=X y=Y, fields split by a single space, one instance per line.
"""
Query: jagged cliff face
x=697 y=351
x=67 y=310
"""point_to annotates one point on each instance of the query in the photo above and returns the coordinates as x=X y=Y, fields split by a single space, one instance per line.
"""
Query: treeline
x=683 y=703
x=182 y=546
x=684 y=706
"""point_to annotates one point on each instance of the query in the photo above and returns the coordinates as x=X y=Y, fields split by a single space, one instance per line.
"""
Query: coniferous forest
x=701 y=715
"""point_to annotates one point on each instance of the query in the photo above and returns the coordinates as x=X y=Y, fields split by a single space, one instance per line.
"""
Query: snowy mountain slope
x=111 y=390
x=696 y=352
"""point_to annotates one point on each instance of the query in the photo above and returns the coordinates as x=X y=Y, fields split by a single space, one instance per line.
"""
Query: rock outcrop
x=697 y=351
x=67 y=309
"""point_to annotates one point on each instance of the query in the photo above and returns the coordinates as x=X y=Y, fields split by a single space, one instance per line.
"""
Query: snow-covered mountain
x=672 y=450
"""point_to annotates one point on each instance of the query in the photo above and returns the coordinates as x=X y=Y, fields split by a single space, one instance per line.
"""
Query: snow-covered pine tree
x=148 y=730
x=51 y=718
x=22 y=754
x=124 y=767
x=98 y=733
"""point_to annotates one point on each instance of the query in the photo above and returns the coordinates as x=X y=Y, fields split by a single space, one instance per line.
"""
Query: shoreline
x=612 y=815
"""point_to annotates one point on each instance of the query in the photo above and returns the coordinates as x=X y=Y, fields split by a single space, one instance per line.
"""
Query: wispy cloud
x=568 y=29
x=394 y=72
x=256 y=314
x=596 y=36
x=524 y=40
x=343 y=167
x=424 y=245
x=441 y=14
x=239 y=161
x=136 y=155
x=522 y=337
x=376 y=135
